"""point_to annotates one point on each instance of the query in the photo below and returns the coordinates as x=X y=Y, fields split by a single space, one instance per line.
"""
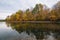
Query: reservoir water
x=29 y=31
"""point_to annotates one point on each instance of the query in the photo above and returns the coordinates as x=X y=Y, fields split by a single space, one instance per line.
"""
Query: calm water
x=29 y=31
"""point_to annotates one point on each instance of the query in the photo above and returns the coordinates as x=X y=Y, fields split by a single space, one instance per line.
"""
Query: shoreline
x=34 y=21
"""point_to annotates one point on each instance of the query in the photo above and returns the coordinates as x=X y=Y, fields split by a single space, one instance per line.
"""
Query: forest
x=39 y=13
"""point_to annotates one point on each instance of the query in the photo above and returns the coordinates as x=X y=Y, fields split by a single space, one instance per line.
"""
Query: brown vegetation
x=39 y=13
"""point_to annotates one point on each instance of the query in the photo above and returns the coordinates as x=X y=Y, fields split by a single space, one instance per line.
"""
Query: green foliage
x=39 y=12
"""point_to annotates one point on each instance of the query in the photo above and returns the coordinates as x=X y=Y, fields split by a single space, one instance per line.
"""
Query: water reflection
x=33 y=31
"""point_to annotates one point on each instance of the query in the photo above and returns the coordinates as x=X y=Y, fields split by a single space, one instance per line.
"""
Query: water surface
x=29 y=31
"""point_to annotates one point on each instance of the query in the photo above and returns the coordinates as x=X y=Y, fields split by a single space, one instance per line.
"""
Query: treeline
x=39 y=13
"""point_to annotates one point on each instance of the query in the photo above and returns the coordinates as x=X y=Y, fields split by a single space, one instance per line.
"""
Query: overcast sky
x=7 y=7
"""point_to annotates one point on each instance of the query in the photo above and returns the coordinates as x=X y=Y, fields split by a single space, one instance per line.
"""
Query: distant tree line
x=38 y=13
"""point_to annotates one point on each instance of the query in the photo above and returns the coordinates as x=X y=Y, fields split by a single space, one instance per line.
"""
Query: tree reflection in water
x=39 y=31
